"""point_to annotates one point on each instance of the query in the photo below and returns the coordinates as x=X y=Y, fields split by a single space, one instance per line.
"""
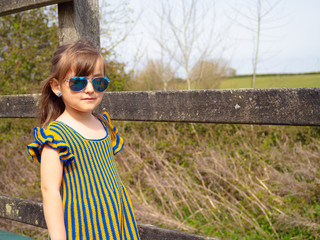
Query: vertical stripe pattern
x=95 y=201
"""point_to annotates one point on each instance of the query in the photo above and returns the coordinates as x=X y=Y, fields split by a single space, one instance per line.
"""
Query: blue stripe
x=131 y=214
x=109 y=170
x=111 y=193
x=72 y=205
x=45 y=136
x=88 y=159
x=48 y=139
x=68 y=187
x=128 y=223
x=81 y=212
x=68 y=190
x=82 y=186
x=72 y=183
x=109 y=178
x=85 y=172
x=110 y=166
x=65 y=207
x=117 y=143
x=112 y=197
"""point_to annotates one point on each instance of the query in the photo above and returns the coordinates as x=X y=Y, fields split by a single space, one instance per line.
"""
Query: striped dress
x=95 y=202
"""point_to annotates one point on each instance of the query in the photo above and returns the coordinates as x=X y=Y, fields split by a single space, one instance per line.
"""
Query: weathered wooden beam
x=24 y=211
x=13 y=6
x=31 y=213
x=79 y=19
x=245 y=106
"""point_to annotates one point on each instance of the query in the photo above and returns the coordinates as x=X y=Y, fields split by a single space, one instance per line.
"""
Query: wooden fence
x=246 y=106
x=79 y=19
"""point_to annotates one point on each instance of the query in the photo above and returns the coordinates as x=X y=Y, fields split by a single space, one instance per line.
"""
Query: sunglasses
x=77 y=84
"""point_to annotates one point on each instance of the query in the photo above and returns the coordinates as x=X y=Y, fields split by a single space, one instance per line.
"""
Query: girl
x=83 y=196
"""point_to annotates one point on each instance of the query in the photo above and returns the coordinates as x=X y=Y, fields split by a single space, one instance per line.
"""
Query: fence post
x=79 y=19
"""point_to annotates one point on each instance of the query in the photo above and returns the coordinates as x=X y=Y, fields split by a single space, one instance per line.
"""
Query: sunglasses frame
x=87 y=80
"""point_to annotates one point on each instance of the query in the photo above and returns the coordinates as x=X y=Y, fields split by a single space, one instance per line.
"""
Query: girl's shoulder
x=106 y=116
x=55 y=128
x=51 y=136
x=117 y=140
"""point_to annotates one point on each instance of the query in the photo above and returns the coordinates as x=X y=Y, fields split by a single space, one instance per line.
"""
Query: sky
x=289 y=42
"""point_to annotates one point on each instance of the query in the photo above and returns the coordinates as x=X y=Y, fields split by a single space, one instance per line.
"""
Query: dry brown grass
x=19 y=174
x=223 y=180
x=235 y=183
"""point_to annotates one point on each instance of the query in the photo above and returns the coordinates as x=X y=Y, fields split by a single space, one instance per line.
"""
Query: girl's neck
x=85 y=124
x=76 y=117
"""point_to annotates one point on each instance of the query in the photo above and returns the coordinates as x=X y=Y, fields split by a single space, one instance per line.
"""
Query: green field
x=273 y=81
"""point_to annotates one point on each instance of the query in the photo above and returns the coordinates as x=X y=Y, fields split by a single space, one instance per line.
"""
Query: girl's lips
x=88 y=99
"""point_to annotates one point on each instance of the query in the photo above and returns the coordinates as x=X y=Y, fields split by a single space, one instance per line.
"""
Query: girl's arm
x=51 y=176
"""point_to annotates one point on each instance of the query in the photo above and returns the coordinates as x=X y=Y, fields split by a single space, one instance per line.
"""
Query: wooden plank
x=79 y=20
x=245 y=106
x=30 y=212
x=13 y=6
x=22 y=211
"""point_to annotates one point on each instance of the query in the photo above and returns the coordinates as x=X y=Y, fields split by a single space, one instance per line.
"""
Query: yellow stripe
x=112 y=169
x=119 y=145
x=80 y=190
x=108 y=221
x=126 y=204
x=97 y=178
x=114 y=135
x=75 y=207
x=93 y=191
x=69 y=201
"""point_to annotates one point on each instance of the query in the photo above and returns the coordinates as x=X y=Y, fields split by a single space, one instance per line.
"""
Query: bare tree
x=165 y=76
x=257 y=12
x=116 y=23
x=186 y=34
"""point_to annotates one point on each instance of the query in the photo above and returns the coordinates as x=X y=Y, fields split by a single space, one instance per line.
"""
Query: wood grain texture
x=14 y=6
x=248 y=106
x=79 y=20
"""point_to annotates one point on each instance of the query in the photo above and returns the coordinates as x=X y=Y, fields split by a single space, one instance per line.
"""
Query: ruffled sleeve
x=117 y=141
x=52 y=139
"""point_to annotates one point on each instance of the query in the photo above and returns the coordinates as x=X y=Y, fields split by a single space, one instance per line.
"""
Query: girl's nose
x=89 y=88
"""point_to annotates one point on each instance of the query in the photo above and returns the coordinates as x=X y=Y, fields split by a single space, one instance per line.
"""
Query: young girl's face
x=86 y=100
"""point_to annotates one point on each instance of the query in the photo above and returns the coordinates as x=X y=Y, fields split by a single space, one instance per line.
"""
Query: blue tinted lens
x=100 y=84
x=77 y=84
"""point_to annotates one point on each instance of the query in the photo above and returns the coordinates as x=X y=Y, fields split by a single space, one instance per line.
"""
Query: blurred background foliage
x=28 y=41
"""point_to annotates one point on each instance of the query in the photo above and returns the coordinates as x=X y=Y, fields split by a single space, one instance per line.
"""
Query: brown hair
x=80 y=57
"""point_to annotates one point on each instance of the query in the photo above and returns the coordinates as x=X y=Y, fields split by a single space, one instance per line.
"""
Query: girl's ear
x=55 y=86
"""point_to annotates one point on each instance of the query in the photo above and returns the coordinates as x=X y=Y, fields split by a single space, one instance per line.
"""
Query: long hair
x=80 y=57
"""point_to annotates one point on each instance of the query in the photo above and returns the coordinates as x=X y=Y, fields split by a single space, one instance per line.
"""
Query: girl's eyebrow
x=98 y=75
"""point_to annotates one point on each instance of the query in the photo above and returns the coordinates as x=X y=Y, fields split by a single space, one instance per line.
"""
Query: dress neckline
x=88 y=139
